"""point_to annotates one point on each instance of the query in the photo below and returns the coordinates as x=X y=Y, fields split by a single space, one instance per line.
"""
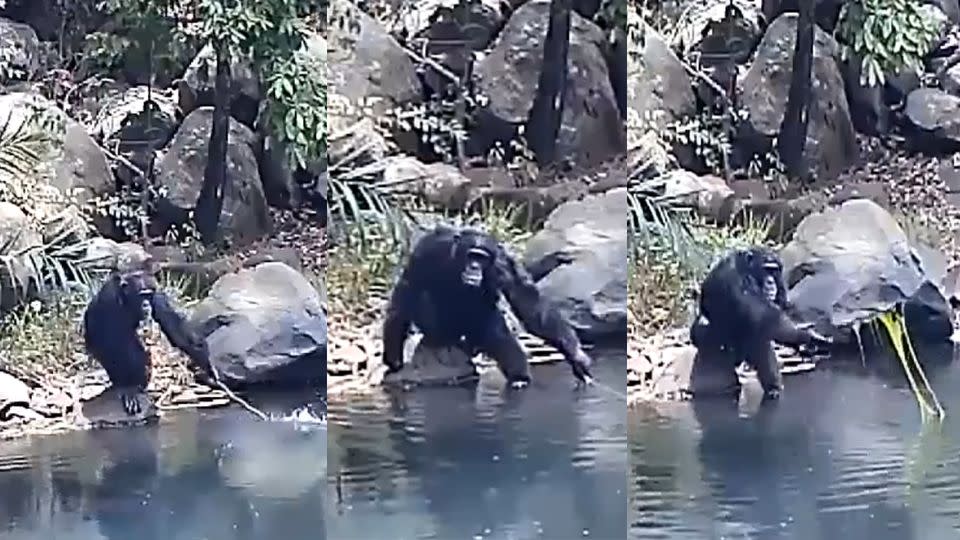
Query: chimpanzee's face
x=768 y=271
x=137 y=289
x=476 y=254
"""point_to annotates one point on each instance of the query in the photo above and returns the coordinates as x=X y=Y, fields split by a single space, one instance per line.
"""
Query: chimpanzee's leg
x=499 y=343
x=714 y=371
x=761 y=356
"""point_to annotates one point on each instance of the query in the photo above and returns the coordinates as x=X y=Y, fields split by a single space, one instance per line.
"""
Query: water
x=843 y=455
x=481 y=462
x=210 y=475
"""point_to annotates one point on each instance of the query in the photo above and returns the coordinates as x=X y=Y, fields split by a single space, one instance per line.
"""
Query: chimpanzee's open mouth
x=472 y=278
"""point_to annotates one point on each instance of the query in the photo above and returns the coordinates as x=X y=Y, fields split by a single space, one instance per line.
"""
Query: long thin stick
x=253 y=410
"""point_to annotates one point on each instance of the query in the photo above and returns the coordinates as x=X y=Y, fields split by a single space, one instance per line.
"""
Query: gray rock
x=20 y=49
x=934 y=115
x=851 y=263
x=591 y=290
x=508 y=76
x=831 y=141
x=369 y=65
x=245 y=216
x=123 y=119
x=265 y=326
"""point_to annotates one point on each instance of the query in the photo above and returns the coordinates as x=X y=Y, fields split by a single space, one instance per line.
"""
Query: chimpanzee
x=110 y=325
x=450 y=288
x=742 y=302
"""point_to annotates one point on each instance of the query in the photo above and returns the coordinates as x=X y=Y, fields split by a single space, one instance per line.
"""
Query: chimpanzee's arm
x=539 y=318
x=175 y=327
x=771 y=322
x=544 y=266
x=397 y=322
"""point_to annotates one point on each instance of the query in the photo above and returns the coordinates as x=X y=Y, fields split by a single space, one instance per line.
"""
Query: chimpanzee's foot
x=131 y=403
x=519 y=384
x=772 y=394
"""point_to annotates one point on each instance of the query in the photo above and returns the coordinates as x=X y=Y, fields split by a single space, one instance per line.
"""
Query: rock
x=452 y=33
x=16 y=234
x=660 y=92
x=949 y=8
x=106 y=254
x=196 y=88
x=706 y=193
x=79 y=166
x=591 y=290
x=831 y=141
x=368 y=68
x=245 y=216
x=13 y=393
x=826 y=13
x=357 y=146
x=719 y=32
x=439 y=184
x=591 y=129
x=868 y=110
x=265 y=326
x=106 y=411
x=934 y=116
x=137 y=122
x=878 y=192
x=848 y=264
x=950 y=80
x=429 y=366
x=285 y=185
x=20 y=50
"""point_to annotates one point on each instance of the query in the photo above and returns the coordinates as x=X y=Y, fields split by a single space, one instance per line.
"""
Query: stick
x=253 y=410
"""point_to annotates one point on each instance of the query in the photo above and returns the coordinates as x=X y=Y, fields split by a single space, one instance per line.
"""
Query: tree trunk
x=793 y=130
x=210 y=202
x=546 y=114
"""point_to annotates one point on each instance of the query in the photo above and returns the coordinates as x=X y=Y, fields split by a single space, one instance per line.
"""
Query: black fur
x=110 y=325
x=432 y=293
x=738 y=322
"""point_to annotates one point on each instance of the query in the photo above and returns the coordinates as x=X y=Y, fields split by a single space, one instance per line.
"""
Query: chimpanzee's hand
x=819 y=340
x=580 y=364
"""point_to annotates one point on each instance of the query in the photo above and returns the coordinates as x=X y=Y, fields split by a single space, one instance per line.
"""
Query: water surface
x=482 y=461
x=842 y=456
x=211 y=475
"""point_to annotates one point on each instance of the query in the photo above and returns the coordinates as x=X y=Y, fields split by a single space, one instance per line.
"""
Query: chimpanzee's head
x=136 y=289
x=766 y=269
x=475 y=253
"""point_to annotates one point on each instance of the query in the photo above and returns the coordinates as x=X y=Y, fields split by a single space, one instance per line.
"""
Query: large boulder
x=659 y=90
x=508 y=76
x=137 y=122
x=368 y=68
x=265 y=326
x=848 y=264
x=20 y=50
x=592 y=289
x=79 y=166
x=934 y=118
x=831 y=145
x=245 y=216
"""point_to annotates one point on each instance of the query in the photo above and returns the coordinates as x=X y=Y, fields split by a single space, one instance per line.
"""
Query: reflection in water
x=480 y=461
x=212 y=475
x=843 y=455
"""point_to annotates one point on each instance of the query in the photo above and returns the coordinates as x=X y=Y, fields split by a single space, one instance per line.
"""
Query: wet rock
x=20 y=50
x=508 y=76
x=848 y=264
x=245 y=216
x=430 y=366
x=831 y=140
x=106 y=411
x=591 y=290
x=265 y=326
x=196 y=87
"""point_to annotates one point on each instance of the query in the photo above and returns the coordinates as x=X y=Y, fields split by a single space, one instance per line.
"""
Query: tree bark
x=793 y=130
x=546 y=114
x=210 y=202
